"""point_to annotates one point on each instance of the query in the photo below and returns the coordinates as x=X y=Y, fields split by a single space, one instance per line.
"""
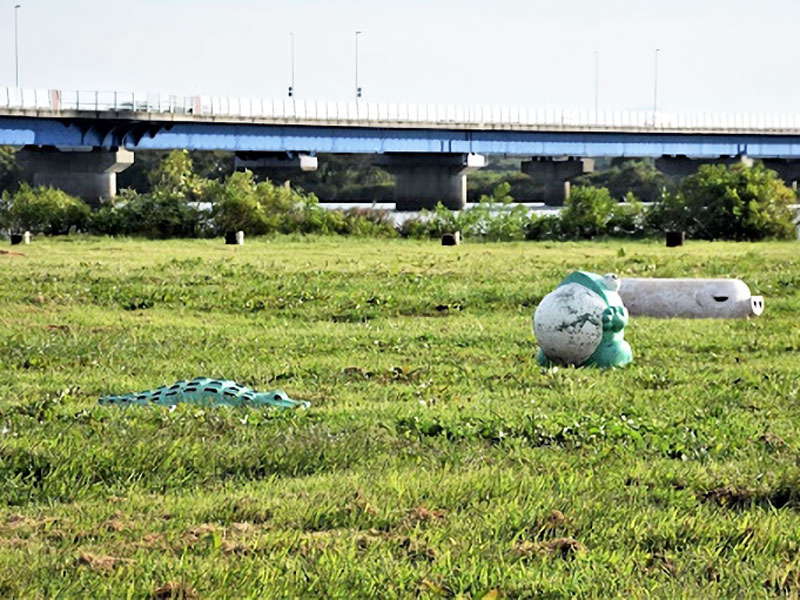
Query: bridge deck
x=142 y=122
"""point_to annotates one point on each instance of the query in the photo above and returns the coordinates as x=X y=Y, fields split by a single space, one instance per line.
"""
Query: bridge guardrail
x=480 y=116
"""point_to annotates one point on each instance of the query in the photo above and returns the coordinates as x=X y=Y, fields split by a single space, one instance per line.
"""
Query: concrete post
x=555 y=175
x=91 y=175
x=423 y=180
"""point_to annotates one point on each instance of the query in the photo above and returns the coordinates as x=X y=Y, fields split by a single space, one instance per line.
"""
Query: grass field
x=437 y=459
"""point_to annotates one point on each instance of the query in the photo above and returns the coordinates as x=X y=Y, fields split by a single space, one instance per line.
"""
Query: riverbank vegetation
x=718 y=202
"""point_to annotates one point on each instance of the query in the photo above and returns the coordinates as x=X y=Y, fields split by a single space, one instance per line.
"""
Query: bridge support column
x=90 y=175
x=260 y=160
x=423 y=180
x=683 y=166
x=788 y=170
x=555 y=174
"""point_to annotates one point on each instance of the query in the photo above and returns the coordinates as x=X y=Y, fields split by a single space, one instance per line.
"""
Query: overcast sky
x=716 y=55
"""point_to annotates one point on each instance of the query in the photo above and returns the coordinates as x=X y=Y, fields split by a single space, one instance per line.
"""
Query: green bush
x=170 y=210
x=42 y=210
x=546 y=228
x=587 y=212
x=632 y=176
x=628 y=219
x=729 y=203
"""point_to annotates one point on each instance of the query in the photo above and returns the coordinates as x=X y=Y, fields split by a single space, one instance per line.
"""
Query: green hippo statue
x=207 y=392
x=582 y=323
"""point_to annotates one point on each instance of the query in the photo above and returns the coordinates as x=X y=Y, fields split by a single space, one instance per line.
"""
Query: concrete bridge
x=79 y=141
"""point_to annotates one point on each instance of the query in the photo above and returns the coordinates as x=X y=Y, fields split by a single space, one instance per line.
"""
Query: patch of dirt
x=16 y=520
x=174 y=589
x=11 y=253
x=63 y=328
x=152 y=541
x=100 y=563
x=772 y=441
x=243 y=527
x=424 y=515
x=117 y=523
x=357 y=373
x=738 y=497
x=200 y=532
x=416 y=550
x=565 y=547
x=235 y=548
x=556 y=519
x=660 y=563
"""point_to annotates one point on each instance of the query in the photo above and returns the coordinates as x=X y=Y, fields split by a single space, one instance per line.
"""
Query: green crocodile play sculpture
x=207 y=392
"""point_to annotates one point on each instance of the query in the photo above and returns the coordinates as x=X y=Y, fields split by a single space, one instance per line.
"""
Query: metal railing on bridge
x=390 y=114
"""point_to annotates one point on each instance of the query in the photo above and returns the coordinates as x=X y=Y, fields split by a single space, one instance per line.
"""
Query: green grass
x=437 y=459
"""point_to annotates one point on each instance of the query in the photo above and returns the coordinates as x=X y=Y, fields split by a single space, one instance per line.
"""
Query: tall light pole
x=16 y=46
x=358 y=89
x=291 y=87
x=596 y=82
x=655 y=86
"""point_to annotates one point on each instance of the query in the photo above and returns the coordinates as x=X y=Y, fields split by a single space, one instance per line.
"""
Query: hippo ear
x=611 y=281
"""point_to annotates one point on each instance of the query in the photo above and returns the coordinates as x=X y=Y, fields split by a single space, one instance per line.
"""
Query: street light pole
x=16 y=46
x=358 y=89
x=655 y=86
x=596 y=82
x=291 y=87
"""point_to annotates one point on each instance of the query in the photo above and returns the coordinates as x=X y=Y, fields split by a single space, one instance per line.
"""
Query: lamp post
x=596 y=82
x=358 y=89
x=291 y=87
x=16 y=46
x=655 y=86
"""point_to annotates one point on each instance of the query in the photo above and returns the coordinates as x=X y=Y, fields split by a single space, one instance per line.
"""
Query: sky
x=715 y=55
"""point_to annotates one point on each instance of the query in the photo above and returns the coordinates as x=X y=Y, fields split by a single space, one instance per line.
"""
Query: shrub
x=631 y=176
x=628 y=219
x=587 y=212
x=42 y=210
x=731 y=203
x=548 y=227
x=160 y=214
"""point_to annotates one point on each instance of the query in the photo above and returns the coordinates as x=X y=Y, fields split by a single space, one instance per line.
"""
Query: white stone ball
x=568 y=324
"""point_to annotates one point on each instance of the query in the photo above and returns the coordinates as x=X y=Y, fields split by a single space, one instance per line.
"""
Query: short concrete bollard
x=675 y=238
x=451 y=239
x=234 y=238
x=690 y=298
x=26 y=238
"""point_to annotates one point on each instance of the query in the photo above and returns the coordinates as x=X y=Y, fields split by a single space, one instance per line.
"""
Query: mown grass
x=437 y=459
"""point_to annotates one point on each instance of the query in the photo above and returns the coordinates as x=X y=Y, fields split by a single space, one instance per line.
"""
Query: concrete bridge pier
x=423 y=180
x=555 y=174
x=788 y=170
x=275 y=160
x=90 y=175
x=683 y=166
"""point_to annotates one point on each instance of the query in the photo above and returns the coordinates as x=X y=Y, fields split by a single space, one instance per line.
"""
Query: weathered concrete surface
x=555 y=174
x=690 y=298
x=91 y=176
x=253 y=160
x=683 y=166
x=423 y=180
